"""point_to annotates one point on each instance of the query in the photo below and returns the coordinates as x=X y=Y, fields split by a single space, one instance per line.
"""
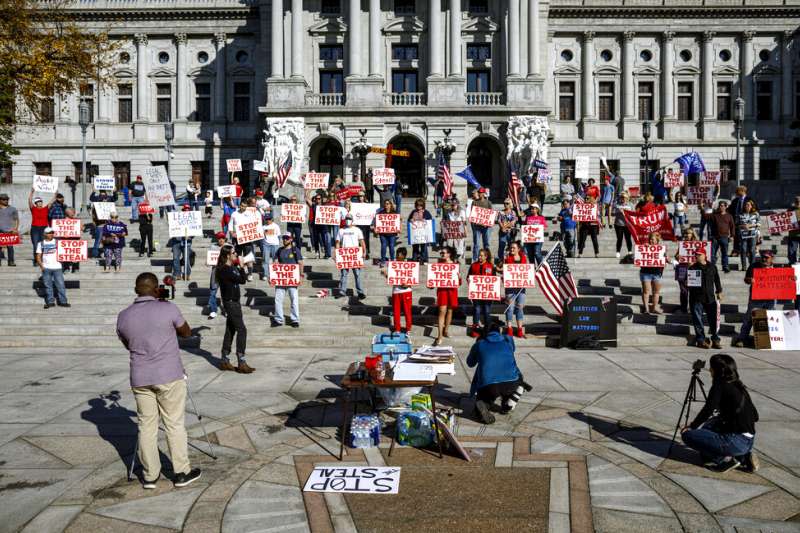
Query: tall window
x=613 y=166
x=567 y=169
x=685 y=100
x=202 y=101
x=404 y=81
x=331 y=7
x=646 y=97
x=479 y=51
x=405 y=52
x=47 y=111
x=768 y=169
x=605 y=92
x=724 y=93
x=331 y=52
x=646 y=169
x=87 y=94
x=479 y=81
x=164 y=102
x=727 y=170
x=479 y=7
x=6 y=174
x=764 y=100
x=241 y=101
x=43 y=169
x=122 y=174
x=91 y=170
x=566 y=100
x=404 y=7
x=331 y=82
x=125 y=102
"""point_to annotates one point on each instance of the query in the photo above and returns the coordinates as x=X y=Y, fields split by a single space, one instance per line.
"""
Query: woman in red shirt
x=39 y=221
x=647 y=205
x=447 y=298
x=515 y=298
x=592 y=190
x=481 y=308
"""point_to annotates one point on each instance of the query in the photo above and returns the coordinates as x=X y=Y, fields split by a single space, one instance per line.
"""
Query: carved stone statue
x=284 y=135
x=527 y=138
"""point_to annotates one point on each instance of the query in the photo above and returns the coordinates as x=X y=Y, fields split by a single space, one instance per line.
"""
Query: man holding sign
x=286 y=274
x=52 y=275
x=481 y=218
x=766 y=262
x=705 y=293
x=352 y=239
x=793 y=241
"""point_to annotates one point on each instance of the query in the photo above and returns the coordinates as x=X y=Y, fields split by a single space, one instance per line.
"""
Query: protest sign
x=349 y=257
x=538 y=163
x=543 y=176
x=532 y=233
x=234 y=165
x=103 y=183
x=484 y=288
x=156 y=183
x=797 y=276
x=519 y=275
x=700 y=194
x=634 y=191
x=383 y=176
x=260 y=166
x=582 y=168
x=482 y=216
x=10 y=239
x=421 y=232
x=284 y=275
x=354 y=480
x=71 y=251
x=443 y=276
x=316 y=180
x=782 y=222
x=211 y=257
x=673 y=178
x=249 y=228
x=226 y=191
x=146 y=209
x=349 y=192
x=650 y=255
x=66 y=228
x=363 y=213
x=104 y=210
x=694 y=278
x=328 y=215
x=584 y=211
x=774 y=284
x=453 y=230
x=710 y=177
x=185 y=224
x=48 y=184
x=589 y=317
x=687 y=250
x=402 y=273
x=641 y=225
x=387 y=223
x=783 y=328
x=293 y=213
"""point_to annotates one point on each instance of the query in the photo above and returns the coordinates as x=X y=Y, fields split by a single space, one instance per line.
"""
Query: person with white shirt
x=350 y=237
x=193 y=196
x=269 y=244
x=52 y=275
x=242 y=216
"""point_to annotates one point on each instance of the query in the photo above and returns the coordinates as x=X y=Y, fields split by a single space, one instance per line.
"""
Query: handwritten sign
x=383 y=176
x=103 y=183
x=349 y=192
x=582 y=168
x=700 y=194
x=146 y=209
x=650 y=255
x=482 y=216
x=782 y=222
x=443 y=276
x=421 y=232
x=71 y=251
x=453 y=230
x=673 y=179
x=532 y=233
x=185 y=224
x=66 y=228
x=688 y=250
x=284 y=275
x=784 y=330
x=249 y=228
x=293 y=213
x=405 y=273
x=363 y=213
x=226 y=191
x=10 y=239
x=156 y=183
x=387 y=223
x=104 y=210
x=710 y=177
x=349 y=257
x=316 y=180
x=774 y=284
x=48 y=184
x=234 y=165
x=584 y=212
x=328 y=215
x=261 y=166
x=212 y=256
x=519 y=275
x=543 y=176
x=484 y=288
x=354 y=480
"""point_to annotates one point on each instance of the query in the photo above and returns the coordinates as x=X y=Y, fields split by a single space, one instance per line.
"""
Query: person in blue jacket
x=496 y=375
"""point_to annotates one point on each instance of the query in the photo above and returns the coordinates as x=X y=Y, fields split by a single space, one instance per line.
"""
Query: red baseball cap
x=219 y=235
x=259 y=193
x=482 y=190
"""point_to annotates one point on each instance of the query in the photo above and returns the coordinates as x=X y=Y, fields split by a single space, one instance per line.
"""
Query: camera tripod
x=691 y=397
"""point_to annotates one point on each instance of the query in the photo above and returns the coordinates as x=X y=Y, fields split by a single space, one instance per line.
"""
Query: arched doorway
x=485 y=157
x=326 y=155
x=409 y=171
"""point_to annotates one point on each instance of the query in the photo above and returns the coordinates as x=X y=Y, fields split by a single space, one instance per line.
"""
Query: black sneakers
x=149 y=485
x=482 y=412
x=181 y=480
x=725 y=466
x=748 y=463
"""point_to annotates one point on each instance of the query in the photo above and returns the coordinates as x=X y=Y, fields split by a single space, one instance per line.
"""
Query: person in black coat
x=230 y=275
x=705 y=290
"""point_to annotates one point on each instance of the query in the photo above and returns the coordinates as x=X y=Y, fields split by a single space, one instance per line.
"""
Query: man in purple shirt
x=148 y=330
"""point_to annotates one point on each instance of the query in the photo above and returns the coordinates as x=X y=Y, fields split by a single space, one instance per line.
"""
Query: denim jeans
x=717 y=446
x=37 y=236
x=503 y=240
x=135 y=201
x=570 y=241
x=296 y=229
x=720 y=244
x=53 y=279
x=323 y=235
x=747 y=321
x=10 y=250
x=747 y=252
x=481 y=309
x=481 y=232
x=343 y=275
x=98 y=234
x=793 y=246
x=678 y=222
x=388 y=241
x=280 y=294
x=516 y=305
x=177 y=252
x=268 y=252
x=419 y=252
x=534 y=252
x=697 y=321
x=212 y=293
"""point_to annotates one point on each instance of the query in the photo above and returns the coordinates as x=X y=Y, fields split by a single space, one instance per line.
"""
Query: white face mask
x=348 y=222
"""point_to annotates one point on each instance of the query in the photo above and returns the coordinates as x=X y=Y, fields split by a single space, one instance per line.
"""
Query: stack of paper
x=441 y=358
x=413 y=372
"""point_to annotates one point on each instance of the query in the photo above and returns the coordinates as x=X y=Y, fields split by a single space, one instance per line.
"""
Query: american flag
x=555 y=280
x=443 y=173
x=285 y=169
x=514 y=187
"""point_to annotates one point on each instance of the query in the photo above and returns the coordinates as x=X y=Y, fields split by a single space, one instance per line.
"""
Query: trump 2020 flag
x=691 y=163
x=469 y=176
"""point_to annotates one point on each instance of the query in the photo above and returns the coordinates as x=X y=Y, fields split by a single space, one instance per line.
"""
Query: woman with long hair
x=230 y=275
x=747 y=226
x=515 y=298
x=651 y=281
x=446 y=299
x=388 y=240
x=481 y=309
x=620 y=227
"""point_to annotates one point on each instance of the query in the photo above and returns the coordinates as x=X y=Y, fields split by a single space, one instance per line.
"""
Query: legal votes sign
x=650 y=255
x=185 y=224
x=402 y=273
x=443 y=276
x=484 y=288
x=156 y=183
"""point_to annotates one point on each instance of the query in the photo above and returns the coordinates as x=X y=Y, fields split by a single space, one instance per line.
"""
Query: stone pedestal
x=447 y=92
x=282 y=93
x=528 y=92
x=363 y=92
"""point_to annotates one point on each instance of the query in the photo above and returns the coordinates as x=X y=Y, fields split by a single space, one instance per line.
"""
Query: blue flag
x=469 y=176
x=691 y=163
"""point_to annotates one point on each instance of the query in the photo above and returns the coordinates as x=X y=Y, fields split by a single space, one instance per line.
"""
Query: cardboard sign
x=363 y=213
x=710 y=177
x=421 y=232
x=284 y=275
x=443 y=276
x=387 y=223
x=234 y=165
x=543 y=176
x=589 y=317
x=156 y=183
x=687 y=250
x=296 y=213
x=484 y=288
x=185 y=224
x=10 y=239
x=673 y=179
x=694 y=278
x=260 y=166
x=354 y=480
x=349 y=257
x=584 y=212
x=404 y=273
x=700 y=194
x=249 y=228
x=482 y=216
x=66 y=228
x=48 y=184
x=70 y=251
x=104 y=210
x=650 y=255
x=383 y=176
x=146 y=209
x=781 y=329
x=103 y=183
x=226 y=191
x=774 y=284
x=453 y=230
x=316 y=180
x=211 y=257
x=328 y=215
x=519 y=275
x=582 y=168
x=782 y=222
x=532 y=233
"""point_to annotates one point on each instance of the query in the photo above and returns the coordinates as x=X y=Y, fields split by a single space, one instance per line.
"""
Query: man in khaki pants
x=148 y=330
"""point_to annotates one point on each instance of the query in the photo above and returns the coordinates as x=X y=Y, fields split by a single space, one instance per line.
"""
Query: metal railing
x=325 y=99
x=481 y=99
x=406 y=99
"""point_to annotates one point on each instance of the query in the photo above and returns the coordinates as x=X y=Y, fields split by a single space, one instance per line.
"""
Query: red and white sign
x=383 y=176
x=634 y=191
x=650 y=255
x=249 y=228
x=293 y=213
x=543 y=176
x=349 y=257
x=146 y=209
x=156 y=183
x=532 y=233
x=774 y=284
x=349 y=192
x=66 y=228
x=363 y=214
x=405 y=273
x=687 y=250
x=284 y=275
x=641 y=225
x=387 y=223
x=316 y=180
x=484 y=288
x=211 y=257
x=47 y=184
x=700 y=194
x=234 y=165
x=443 y=276
x=482 y=216
x=519 y=275
x=226 y=191
x=453 y=230
x=584 y=211
x=673 y=179
x=328 y=215
x=10 y=239
x=71 y=251
x=782 y=222
x=710 y=177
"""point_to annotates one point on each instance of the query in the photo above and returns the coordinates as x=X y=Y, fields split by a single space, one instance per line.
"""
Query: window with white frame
x=685 y=100
x=164 y=102
x=566 y=100
x=646 y=100
x=605 y=94
x=124 y=102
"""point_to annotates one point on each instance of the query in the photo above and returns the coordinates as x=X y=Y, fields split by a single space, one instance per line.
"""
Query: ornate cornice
x=629 y=12
x=140 y=38
x=164 y=14
x=181 y=38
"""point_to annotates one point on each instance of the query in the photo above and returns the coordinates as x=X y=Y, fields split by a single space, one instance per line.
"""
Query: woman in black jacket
x=229 y=276
x=725 y=441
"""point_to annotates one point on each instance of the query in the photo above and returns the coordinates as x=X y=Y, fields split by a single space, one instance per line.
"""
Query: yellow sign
x=390 y=151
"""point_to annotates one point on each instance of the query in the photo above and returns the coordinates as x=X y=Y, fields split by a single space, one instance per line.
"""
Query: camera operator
x=148 y=330
x=724 y=440
x=230 y=275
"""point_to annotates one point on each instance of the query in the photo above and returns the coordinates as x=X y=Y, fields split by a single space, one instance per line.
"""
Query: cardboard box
x=761 y=329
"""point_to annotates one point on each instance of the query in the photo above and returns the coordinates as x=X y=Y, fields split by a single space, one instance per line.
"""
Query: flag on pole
x=691 y=163
x=469 y=176
x=555 y=280
x=285 y=169
x=514 y=186
x=443 y=173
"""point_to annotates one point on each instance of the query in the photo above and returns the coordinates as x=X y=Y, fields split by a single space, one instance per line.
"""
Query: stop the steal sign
x=354 y=480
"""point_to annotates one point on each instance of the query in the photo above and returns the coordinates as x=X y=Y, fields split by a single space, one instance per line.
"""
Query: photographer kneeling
x=725 y=440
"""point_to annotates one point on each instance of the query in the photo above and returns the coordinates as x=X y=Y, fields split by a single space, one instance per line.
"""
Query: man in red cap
x=479 y=200
x=212 y=291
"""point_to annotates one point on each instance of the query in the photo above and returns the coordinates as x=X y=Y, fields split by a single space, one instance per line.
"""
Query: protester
x=320 y=234
x=228 y=209
x=532 y=216
x=735 y=209
x=657 y=188
x=397 y=192
x=620 y=226
x=592 y=191
x=567 y=228
x=706 y=210
x=507 y=220
x=680 y=272
x=588 y=229
x=244 y=250
x=748 y=222
x=137 y=192
x=295 y=228
x=678 y=214
x=350 y=237
x=438 y=196
x=606 y=201
x=58 y=208
x=95 y=197
x=288 y=254
x=365 y=229
x=446 y=298
x=705 y=297
x=114 y=233
x=193 y=195
x=230 y=275
x=793 y=240
x=213 y=286
x=388 y=240
x=724 y=429
x=269 y=244
x=481 y=309
x=146 y=234
x=454 y=213
x=9 y=223
x=567 y=190
x=767 y=258
x=72 y=266
x=402 y=299
x=181 y=255
x=52 y=274
x=721 y=229
x=149 y=329
x=368 y=186
x=651 y=281
x=209 y=202
x=515 y=298
x=480 y=232
x=39 y=221
x=419 y=214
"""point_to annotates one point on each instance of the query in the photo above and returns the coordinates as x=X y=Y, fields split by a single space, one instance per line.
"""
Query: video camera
x=697 y=366
x=163 y=292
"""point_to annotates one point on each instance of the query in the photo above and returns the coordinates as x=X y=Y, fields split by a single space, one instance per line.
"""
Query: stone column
x=786 y=76
x=435 y=37
x=375 y=38
x=628 y=91
x=297 y=38
x=668 y=55
x=141 y=77
x=513 y=38
x=103 y=96
x=533 y=38
x=220 y=107
x=455 y=38
x=587 y=75
x=708 y=75
x=746 y=74
x=277 y=38
x=180 y=78
x=353 y=37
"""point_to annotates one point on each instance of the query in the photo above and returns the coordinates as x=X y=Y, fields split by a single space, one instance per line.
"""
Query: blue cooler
x=388 y=344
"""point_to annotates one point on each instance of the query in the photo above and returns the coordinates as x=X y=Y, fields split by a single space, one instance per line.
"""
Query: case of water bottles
x=365 y=431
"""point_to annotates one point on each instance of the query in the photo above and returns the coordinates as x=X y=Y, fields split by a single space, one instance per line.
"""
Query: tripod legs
x=691 y=396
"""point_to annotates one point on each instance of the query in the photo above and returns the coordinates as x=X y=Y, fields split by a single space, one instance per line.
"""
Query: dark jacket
x=494 y=356
x=736 y=207
x=710 y=287
x=229 y=278
x=737 y=414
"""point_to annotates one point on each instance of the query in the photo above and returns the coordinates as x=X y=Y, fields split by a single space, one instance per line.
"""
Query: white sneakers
x=212 y=315
x=617 y=255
